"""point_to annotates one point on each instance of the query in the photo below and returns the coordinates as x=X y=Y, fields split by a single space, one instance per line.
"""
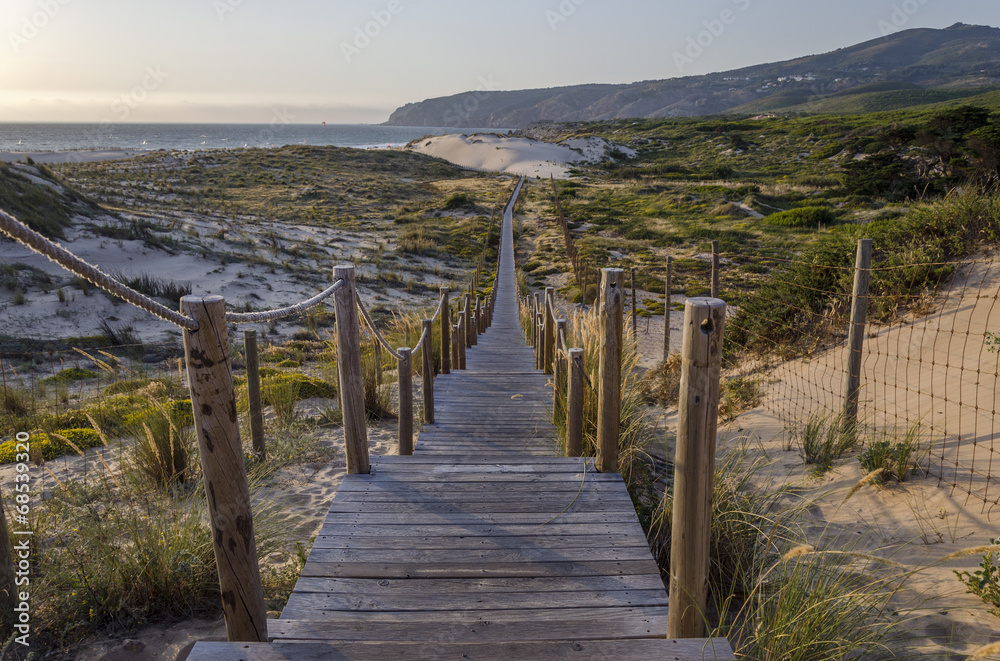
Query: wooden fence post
x=7 y=577
x=405 y=380
x=549 y=354
x=694 y=466
x=559 y=367
x=540 y=347
x=352 y=401
x=474 y=326
x=574 y=404
x=463 y=324
x=454 y=348
x=856 y=336
x=481 y=314
x=635 y=323
x=612 y=307
x=445 y=332
x=666 y=311
x=715 y=269
x=253 y=394
x=428 y=372
x=584 y=290
x=468 y=321
x=210 y=380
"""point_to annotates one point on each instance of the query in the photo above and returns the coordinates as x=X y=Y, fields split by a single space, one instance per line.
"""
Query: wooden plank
x=479 y=570
x=476 y=626
x=502 y=518
x=482 y=529
x=478 y=556
x=568 y=650
x=318 y=606
x=360 y=541
x=469 y=586
x=584 y=504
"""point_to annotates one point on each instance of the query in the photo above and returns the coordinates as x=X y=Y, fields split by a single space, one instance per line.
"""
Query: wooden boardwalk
x=486 y=544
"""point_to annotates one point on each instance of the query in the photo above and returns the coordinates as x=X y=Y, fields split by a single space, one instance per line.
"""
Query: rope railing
x=23 y=234
x=281 y=313
x=375 y=332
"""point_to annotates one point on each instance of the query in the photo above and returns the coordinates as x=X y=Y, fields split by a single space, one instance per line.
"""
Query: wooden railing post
x=352 y=401
x=480 y=315
x=585 y=274
x=405 y=380
x=549 y=353
x=445 y=332
x=463 y=332
x=611 y=310
x=559 y=391
x=8 y=616
x=635 y=312
x=474 y=319
x=856 y=336
x=213 y=399
x=428 y=372
x=667 y=307
x=468 y=321
x=694 y=466
x=715 y=269
x=540 y=334
x=454 y=348
x=253 y=394
x=574 y=404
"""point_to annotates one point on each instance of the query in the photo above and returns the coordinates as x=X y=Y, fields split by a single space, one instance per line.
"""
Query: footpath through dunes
x=485 y=544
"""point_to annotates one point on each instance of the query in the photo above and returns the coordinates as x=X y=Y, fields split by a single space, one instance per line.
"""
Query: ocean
x=64 y=137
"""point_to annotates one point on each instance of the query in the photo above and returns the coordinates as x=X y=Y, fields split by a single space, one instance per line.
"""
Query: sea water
x=63 y=137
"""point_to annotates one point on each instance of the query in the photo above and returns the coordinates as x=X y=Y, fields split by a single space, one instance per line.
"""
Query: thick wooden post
x=468 y=321
x=574 y=404
x=549 y=354
x=210 y=380
x=352 y=402
x=405 y=380
x=540 y=347
x=7 y=578
x=612 y=307
x=667 y=308
x=480 y=315
x=454 y=348
x=715 y=269
x=559 y=391
x=694 y=466
x=428 y=350
x=253 y=394
x=463 y=325
x=856 y=335
x=445 y=332
x=635 y=322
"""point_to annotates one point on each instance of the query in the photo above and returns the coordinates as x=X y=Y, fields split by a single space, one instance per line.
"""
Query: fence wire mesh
x=929 y=363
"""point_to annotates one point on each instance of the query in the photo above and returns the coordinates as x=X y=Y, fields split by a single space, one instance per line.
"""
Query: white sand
x=513 y=155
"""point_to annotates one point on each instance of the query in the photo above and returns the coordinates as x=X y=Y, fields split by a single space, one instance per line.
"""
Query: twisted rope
x=21 y=233
x=375 y=331
x=281 y=313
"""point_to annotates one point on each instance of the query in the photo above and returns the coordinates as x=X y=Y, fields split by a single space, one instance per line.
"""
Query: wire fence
x=929 y=364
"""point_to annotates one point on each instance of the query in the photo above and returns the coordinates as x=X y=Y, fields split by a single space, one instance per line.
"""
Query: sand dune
x=78 y=156
x=514 y=155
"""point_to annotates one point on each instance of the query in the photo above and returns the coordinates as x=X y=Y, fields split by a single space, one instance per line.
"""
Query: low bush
x=49 y=446
x=802 y=217
x=70 y=375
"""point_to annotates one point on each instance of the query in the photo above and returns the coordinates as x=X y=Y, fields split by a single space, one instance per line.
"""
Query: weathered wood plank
x=316 y=606
x=470 y=586
x=479 y=556
x=432 y=541
x=568 y=650
x=477 y=626
x=479 y=570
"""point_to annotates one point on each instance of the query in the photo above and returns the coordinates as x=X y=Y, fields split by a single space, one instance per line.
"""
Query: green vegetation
x=70 y=375
x=985 y=581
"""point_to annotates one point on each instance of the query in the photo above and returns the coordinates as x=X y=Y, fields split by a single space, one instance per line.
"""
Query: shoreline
x=71 y=155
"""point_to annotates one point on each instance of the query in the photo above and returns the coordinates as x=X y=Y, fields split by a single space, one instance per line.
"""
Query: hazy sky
x=311 y=60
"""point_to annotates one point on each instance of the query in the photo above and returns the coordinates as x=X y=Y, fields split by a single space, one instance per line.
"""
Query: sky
x=305 y=61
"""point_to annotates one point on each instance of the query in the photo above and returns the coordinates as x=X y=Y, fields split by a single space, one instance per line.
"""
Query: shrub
x=824 y=441
x=802 y=217
x=985 y=581
x=70 y=375
x=52 y=446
